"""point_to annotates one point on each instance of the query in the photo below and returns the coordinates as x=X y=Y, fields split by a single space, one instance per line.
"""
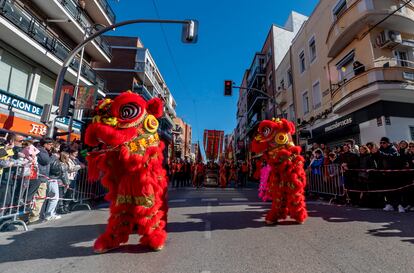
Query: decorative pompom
x=155 y=107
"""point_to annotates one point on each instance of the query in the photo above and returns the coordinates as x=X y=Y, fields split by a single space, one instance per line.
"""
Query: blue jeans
x=53 y=193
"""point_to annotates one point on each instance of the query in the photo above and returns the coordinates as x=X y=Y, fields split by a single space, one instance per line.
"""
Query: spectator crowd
x=370 y=166
x=49 y=171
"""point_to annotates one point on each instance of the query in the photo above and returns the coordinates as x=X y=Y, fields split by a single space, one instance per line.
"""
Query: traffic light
x=57 y=133
x=228 y=88
x=68 y=106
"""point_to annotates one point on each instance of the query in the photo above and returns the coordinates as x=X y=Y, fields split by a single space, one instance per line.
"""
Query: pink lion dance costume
x=287 y=179
x=130 y=159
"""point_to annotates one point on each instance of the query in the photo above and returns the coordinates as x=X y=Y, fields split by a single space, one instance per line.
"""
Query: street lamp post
x=76 y=90
x=189 y=35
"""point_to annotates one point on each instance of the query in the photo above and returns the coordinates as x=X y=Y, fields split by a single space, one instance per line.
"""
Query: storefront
x=22 y=116
x=384 y=118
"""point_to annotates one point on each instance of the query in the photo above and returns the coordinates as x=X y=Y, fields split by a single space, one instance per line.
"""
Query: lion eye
x=130 y=111
x=266 y=131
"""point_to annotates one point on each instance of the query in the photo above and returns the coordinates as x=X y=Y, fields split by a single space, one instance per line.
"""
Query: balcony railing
x=144 y=91
x=282 y=97
x=86 y=23
x=359 y=14
x=380 y=75
x=34 y=29
x=107 y=8
x=149 y=71
x=258 y=71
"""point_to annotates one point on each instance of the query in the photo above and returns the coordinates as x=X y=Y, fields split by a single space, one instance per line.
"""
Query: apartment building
x=253 y=105
x=133 y=68
x=352 y=66
x=35 y=37
x=182 y=140
x=241 y=130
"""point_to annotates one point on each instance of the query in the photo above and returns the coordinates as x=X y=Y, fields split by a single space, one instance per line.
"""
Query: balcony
x=362 y=13
x=98 y=49
x=141 y=89
x=147 y=75
x=282 y=97
x=101 y=12
x=254 y=100
x=25 y=33
x=377 y=83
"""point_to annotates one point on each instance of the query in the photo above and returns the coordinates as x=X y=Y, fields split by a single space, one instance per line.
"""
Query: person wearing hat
x=389 y=156
x=389 y=160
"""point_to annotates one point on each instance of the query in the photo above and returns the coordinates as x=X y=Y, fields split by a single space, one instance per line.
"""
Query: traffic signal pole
x=189 y=36
x=270 y=98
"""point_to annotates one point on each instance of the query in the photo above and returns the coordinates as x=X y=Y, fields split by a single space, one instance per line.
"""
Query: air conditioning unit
x=389 y=39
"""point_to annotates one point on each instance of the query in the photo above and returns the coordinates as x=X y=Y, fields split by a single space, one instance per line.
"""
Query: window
x=302 y=62
x=291 y=112
x=312 y=49
x=270 y=79
x=412 y=133
x=282 y=84
x=339 y=9
x=15 y=75
x=345 y=67
x=45 y=91
x=402 y=58
x=316 y=95
x=305 y=103
x=269 y=54
x=289 y=77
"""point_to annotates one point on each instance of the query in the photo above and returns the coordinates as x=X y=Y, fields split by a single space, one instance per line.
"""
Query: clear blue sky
x=230 y=32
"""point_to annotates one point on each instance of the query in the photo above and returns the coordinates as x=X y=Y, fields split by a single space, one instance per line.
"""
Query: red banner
x=213 y=143
x=86 y=97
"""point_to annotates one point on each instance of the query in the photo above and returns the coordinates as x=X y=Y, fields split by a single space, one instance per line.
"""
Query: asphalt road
x=215 y=230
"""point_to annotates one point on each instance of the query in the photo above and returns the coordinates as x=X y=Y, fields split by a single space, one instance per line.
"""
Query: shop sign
x=18 y=103
x=11 y=100
x=338 y=124
x=38 y=129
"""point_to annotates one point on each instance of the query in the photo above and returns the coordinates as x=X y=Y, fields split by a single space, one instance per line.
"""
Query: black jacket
x=366 y=161
x=389 y=158
x=350 y=159
x=44 y=159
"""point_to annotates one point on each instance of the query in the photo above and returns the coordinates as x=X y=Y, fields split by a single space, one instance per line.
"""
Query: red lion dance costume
x=130 y=159
x=287 y=179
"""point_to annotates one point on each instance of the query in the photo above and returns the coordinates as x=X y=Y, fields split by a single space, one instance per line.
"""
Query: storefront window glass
x=14 y=75
x=45 y=91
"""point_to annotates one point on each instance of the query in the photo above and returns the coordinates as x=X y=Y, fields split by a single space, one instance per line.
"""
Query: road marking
x=177 y=200
x=239 y=199
x=209 y=200
x=205 y=271
x=207 y=227
x=243 y=203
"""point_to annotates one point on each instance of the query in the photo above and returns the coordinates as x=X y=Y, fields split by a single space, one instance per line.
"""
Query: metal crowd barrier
x=359 y=182
x=333 y=180
x=85 y=191
x=326 y=180
x=14 y=195
x=14 y=190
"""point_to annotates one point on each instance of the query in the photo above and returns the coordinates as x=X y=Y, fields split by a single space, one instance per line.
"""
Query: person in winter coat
x=317 y=163
x=74 y=165
x=390 y=160
x=410 y=155
x=59 y=171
